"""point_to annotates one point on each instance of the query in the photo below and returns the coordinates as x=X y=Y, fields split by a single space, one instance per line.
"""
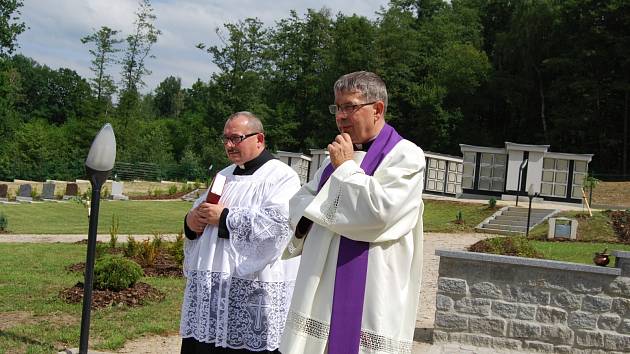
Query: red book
x=216 y=189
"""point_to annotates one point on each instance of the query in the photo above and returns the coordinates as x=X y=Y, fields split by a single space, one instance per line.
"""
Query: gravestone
x=117 y=191
x=48 y=191
x=72 y=191
x=24 y=193
x=562 y=228
x=4 y=193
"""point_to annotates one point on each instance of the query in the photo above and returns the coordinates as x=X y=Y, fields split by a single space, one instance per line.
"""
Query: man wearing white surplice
x=238 y=289
x=358 y=228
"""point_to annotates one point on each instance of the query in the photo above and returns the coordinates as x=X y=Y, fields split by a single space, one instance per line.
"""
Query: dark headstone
x=72 y=189
x=48 y=190
x=24 y=193
x=25 y=190
x=4 y=191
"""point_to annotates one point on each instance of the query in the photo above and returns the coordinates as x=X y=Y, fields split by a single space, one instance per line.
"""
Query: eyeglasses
x=347 y=109
x=235 y=139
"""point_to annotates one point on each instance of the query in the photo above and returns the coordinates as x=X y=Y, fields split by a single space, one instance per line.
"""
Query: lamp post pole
x=531 y=195
x=98 y=165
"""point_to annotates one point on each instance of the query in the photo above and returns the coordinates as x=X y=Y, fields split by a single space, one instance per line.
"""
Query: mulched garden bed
x=164 y=266
x=136 y=295
x=621 y=224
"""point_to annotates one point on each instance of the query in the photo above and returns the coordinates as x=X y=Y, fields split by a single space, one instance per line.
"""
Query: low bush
x=4 y=222
x=116 y=273
x=508 y=246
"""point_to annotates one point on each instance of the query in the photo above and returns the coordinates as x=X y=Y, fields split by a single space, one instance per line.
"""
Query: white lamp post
x=98 y=165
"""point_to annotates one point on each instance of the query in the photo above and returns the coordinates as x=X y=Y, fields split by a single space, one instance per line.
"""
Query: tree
x=139 y=48
x=10 y=26
x=168 y=100
x=105 y=43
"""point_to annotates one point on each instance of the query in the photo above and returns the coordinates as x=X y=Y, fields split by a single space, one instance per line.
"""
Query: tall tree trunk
x=625 y=136
x=541 y=92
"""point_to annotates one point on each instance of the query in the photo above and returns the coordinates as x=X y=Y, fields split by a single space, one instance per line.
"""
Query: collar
x=249 y=167
x=363 y=147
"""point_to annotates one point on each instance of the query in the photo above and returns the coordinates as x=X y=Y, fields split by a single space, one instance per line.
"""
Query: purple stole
x=352 y=262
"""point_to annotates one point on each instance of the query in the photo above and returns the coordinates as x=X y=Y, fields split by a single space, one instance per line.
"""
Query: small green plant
x=133 y=247
x=157 y=240
x=116 y=273
x=177 y=248
x=158 y=192
x=105 y=193
x=459 y=217
x=113 y=231
x=492 y=203
x=102 y=249
x=4 y=223
x=148 y=253
x=172 y=190
x=34 y=193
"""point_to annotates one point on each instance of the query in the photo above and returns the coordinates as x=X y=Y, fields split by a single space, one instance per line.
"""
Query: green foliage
x=509 y=246
x=148 y=253
x=133 y=247
x=172 y=190
x=4 y=222
x=10 y=26
x=157 y=240
x=113 y=231
x=492 y=203
x=116 y=273
x=177 y=248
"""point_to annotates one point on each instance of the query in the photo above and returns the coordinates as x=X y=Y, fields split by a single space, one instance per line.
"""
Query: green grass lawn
x=31 y=278
x=440 y=216
x=577 y=252
x=135 y=217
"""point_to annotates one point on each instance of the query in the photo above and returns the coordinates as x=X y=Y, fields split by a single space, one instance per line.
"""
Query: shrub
x=133 y=248
x=157 y=240
x=148 y=253
x=4 y=222
x=113 y=231
x=459 y=217
x=508 y=246
x=116 y=273
x=177 y=249
x=172 y=190
x=492 y=203
x=101 y=250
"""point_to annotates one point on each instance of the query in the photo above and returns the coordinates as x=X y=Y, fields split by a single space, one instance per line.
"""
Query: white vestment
x=385 y=210
x=238 y=289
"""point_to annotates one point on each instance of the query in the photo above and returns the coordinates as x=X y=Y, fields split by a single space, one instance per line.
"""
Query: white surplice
x=238 y=289
x=385 y=210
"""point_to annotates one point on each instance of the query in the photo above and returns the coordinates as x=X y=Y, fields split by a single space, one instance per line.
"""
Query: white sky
x=56 y=27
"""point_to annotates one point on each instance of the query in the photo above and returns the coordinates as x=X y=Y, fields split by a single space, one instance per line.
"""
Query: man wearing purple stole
x=358 y=228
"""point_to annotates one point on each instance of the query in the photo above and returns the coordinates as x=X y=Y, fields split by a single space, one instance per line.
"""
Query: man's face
x=246 y=150
x=363 y=122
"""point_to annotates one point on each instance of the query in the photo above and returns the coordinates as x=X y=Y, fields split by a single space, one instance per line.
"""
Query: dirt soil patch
x=136 y=295
x=621 y=224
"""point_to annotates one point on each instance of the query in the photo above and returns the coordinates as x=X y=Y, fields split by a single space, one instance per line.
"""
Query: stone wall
x=514 y=303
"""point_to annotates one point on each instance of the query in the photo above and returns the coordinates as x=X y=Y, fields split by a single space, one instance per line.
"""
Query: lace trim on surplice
x=233 y=312
x=370 y=341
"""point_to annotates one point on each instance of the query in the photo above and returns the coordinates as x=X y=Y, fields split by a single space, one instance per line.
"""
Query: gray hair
x=253 y=122
x=367 y=83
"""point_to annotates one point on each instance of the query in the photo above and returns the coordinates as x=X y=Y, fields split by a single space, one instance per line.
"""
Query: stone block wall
x=514 y=303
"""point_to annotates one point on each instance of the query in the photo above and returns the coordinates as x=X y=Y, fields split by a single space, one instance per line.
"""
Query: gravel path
x=426 y=308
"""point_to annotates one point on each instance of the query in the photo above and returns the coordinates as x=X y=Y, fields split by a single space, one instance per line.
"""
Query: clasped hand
x=340 y=149
x=204 y=214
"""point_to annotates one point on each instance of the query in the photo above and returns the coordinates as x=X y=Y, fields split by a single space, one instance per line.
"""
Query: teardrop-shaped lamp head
x=102 y=153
